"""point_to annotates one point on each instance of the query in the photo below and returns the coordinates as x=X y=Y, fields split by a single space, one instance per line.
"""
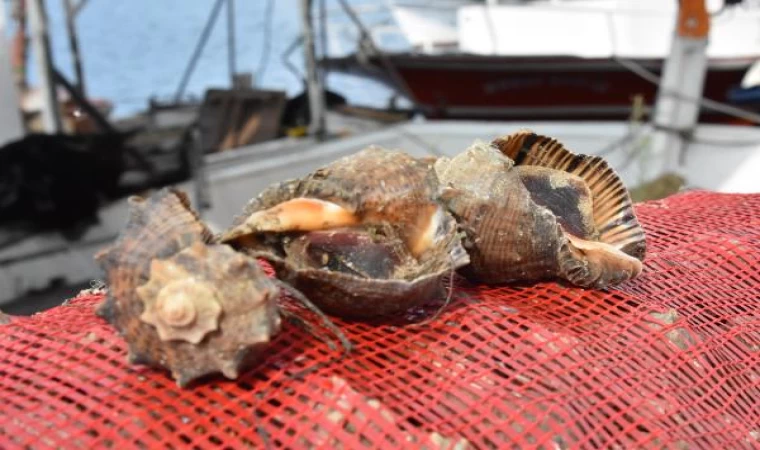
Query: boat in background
x=548 y=59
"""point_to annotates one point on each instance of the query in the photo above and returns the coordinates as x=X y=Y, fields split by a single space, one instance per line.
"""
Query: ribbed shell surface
x=164 y=227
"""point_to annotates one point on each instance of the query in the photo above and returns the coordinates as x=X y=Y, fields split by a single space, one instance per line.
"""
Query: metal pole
x=51 y=118
x=198 y=171
x=20 y=46
x=313 y=82
x=231 y=53
x=323 y=32
x=683 y=77
x=74 y=43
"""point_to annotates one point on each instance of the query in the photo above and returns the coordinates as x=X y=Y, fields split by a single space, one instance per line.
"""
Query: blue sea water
x=135 y=49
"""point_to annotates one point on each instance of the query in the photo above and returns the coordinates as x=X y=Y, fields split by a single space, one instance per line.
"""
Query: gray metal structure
x=11 y=126
x=37 y=17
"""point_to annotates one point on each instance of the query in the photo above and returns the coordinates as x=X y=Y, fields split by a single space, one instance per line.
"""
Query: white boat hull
x=637 y=29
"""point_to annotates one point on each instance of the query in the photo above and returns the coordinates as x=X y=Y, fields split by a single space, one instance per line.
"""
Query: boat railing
x=345 y=38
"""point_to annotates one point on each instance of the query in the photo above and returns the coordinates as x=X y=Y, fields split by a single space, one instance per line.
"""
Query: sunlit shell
x=369 y=187
x=178 y=305
x=180 y=301
x=525 y=224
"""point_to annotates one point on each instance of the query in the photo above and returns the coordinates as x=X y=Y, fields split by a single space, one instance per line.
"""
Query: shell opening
x=361 y=252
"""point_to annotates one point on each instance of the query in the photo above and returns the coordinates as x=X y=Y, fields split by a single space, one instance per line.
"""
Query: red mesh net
x=671 y=359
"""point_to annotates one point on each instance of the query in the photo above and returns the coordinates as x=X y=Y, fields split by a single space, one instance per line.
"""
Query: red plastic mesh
x=671 y=359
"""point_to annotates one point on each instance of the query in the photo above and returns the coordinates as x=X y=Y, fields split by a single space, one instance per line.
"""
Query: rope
x=266 y=45
x=706 y=103
x=446 y=302
x=305 y=302
x=198 y=49
x=231 y=51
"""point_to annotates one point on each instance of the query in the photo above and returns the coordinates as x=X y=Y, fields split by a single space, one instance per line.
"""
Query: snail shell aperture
x=612 y=213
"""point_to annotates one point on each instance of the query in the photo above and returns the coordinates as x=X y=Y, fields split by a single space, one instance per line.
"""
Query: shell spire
x=178 y=304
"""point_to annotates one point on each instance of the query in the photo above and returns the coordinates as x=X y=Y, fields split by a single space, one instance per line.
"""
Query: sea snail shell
x=180 y=301
x=528 y=223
